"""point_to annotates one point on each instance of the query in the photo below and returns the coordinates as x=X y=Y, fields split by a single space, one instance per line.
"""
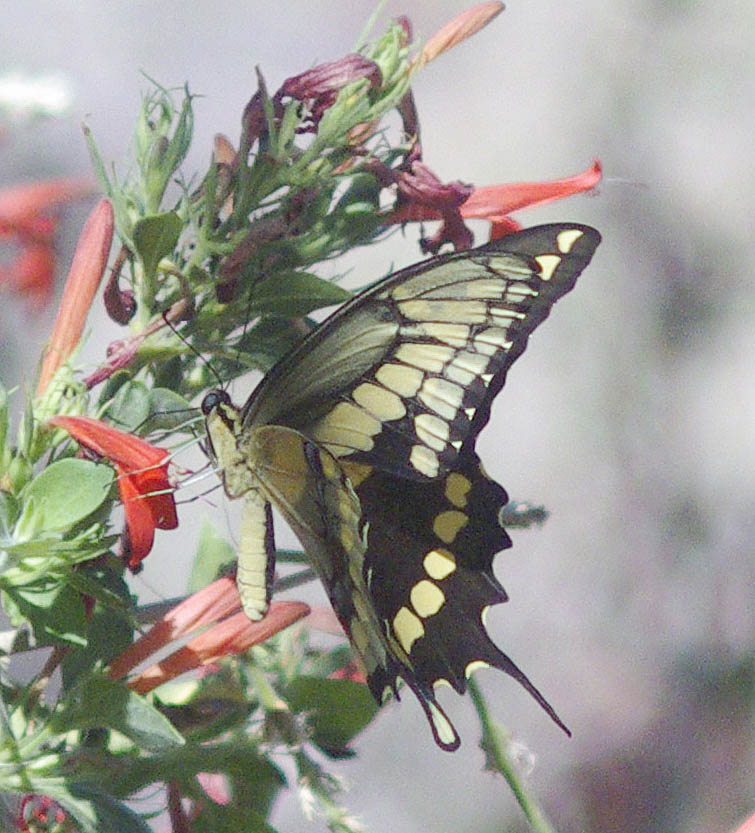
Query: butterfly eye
x=213 y=400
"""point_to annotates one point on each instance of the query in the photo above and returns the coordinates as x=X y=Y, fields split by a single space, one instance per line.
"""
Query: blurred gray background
x=631 y=416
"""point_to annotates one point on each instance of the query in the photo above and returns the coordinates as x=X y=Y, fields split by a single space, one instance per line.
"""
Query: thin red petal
x=500 y=228
x=156 y=491
x=139 y=521
x=207 y=605
x=87 y=267
x=460 y=28
x=495 y=201
x=124 y=450
x=231 y=636
x=747 y=826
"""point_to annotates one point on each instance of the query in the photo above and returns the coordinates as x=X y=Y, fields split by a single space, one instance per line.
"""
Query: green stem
x=496 y=745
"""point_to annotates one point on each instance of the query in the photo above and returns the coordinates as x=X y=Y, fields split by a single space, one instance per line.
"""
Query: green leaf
x=109 y=629
x=94 y=809
x=293 y=294
x=99 y=702
x=270 y=339
x=155 y=237
x=337 y=710
x=238 y=758
x=66 y=492
x=130 y=407
x=55 y=611
x=213 y=553
x=111 y=386
x=169 y=410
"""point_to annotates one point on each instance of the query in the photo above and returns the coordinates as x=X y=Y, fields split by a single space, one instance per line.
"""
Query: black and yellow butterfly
x=363 y=437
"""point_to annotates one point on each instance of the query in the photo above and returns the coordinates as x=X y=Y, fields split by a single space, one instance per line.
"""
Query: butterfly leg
x=254 y=577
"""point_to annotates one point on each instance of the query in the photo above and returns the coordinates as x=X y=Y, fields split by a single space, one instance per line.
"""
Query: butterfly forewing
x=404 y=375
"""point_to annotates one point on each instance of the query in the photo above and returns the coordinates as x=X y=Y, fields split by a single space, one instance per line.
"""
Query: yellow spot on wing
x=548 y=265
x=445 y=731
x=566 y=239
x=426 y=598
x=475 y=665
x=424 y=460
x=347 y=538
x=384 y=404
x=455 y=335
x=356 y=472
x=457 y=487
x=329 y=466
x=467 y=312
x=439 y=564
x=408 y=628
x=447 y=525
x=347 y=426
x=432 y=430
x=441 y=396
x=492 y=340
x=405 y=381
x=430 y=357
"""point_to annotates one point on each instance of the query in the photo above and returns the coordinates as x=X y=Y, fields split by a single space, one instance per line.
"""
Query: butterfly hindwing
x=429 y=572
x=309 y=488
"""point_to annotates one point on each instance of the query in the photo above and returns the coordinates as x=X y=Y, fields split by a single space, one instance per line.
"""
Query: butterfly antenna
x=197 y=353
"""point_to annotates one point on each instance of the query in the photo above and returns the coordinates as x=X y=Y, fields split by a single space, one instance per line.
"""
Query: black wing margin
x=428 y=570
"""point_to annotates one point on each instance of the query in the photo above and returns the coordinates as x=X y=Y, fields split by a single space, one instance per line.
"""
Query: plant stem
x=496 y=745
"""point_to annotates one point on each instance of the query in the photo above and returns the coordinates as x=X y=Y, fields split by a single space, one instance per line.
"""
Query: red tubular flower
x=87 y=267
x=143 y=482
x=231 y=635
x=463 y=26
x=28 y=220
x=491 y=202
x=496 y=202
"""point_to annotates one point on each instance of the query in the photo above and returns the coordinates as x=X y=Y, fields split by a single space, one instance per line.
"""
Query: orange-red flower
x=422 y=196
x=143 y=482
x=460 y=28
x=28 y=220
x=89 y=261
x=232 y=633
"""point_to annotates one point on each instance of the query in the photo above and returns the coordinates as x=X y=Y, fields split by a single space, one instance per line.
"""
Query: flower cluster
x=313 y=174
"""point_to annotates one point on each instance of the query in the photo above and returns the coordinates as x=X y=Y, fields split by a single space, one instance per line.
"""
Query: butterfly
x=363 y=437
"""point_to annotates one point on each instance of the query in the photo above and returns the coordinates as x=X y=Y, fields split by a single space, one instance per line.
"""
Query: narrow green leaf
x=98 y=702
x=66 y=492
x=292 y=294
x=155 y=237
